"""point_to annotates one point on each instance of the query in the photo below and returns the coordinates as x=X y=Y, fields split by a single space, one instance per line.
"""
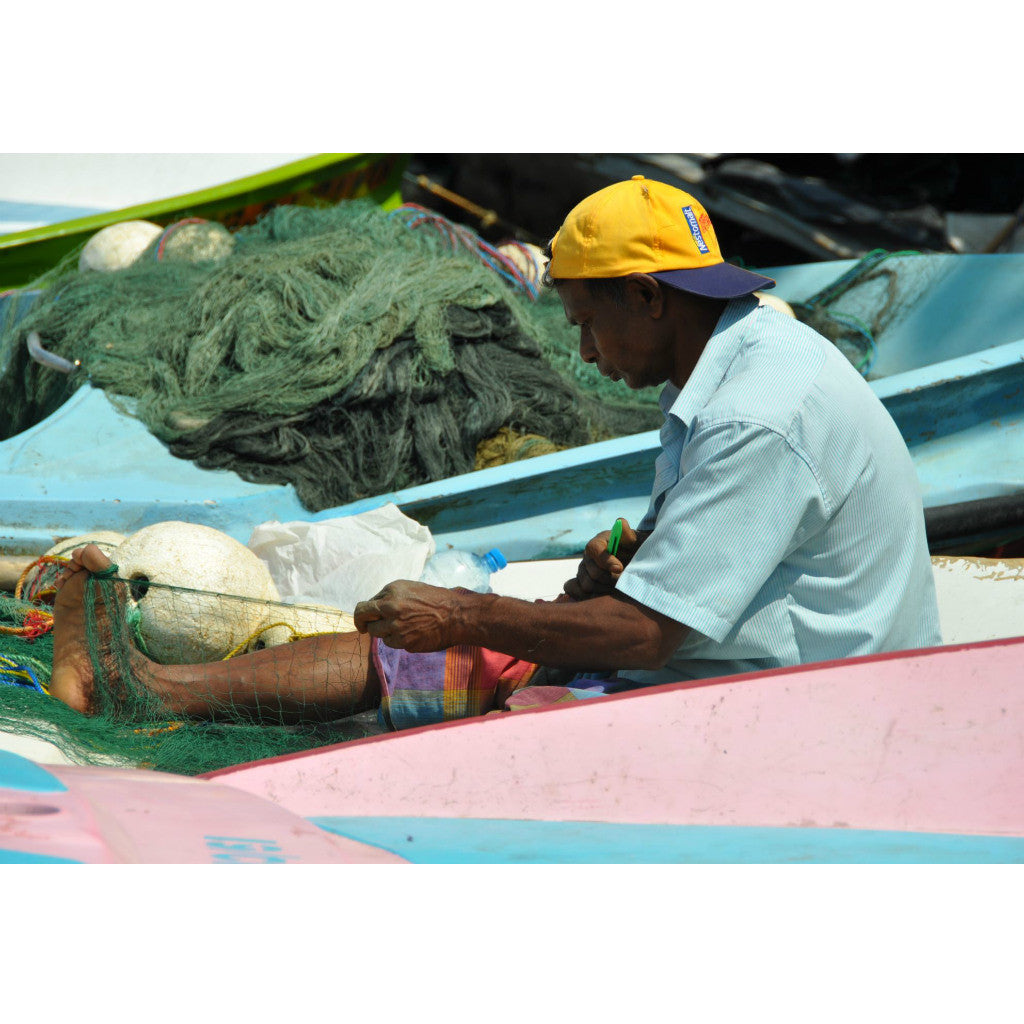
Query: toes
x=92 y=558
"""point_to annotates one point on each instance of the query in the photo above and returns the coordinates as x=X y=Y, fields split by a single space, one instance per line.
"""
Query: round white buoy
x=194 y=240
x=118 y=246
x=105 y=540
x=285 y=621
x=528 y=258
x=43 y=576
x=196 y=623
x=766 y=299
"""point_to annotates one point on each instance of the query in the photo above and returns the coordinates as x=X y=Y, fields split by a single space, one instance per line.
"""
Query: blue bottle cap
x=495 y=559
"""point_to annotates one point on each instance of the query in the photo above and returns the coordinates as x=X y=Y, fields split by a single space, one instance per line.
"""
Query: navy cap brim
x=722 y=281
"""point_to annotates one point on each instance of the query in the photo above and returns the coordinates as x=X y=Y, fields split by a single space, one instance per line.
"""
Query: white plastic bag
x=342 y=561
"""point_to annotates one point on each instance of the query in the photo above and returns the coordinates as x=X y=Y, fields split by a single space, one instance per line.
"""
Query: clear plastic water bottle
x=456 y=568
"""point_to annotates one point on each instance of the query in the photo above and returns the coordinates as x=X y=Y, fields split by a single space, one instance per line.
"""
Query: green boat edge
x=327 y=177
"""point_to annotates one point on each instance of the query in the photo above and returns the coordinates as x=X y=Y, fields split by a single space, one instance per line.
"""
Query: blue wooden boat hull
x=950 y=369
x=515 y=841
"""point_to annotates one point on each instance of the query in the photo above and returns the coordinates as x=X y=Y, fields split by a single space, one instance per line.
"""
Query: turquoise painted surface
x=19 y=773
x=504 y=841
x=953 y=379
x=17 y=857
x=17 y=216
x=117 y=476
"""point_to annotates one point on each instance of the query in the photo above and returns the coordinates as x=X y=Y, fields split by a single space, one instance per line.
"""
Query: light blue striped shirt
x=786 y=512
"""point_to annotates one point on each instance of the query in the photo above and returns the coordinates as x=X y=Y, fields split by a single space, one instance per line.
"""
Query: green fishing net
x=341 y=349
x=855 y=309
x=133 y=723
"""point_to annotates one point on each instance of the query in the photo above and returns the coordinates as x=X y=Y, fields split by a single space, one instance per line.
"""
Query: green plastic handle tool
x=616 y=536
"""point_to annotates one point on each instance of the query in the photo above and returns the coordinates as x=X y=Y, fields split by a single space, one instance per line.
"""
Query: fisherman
x=785 y=524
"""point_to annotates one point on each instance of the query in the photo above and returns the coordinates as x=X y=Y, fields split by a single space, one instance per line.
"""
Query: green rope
x=816 y=312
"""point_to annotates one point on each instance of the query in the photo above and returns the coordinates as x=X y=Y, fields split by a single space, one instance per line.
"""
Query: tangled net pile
x=131 y=726
x=344 y=350
x=855 y=309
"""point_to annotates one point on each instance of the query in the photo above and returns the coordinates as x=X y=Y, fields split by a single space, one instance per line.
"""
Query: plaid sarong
x=464 y=682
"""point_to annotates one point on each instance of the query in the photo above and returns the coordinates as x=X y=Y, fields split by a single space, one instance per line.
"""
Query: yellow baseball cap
x=648 y=227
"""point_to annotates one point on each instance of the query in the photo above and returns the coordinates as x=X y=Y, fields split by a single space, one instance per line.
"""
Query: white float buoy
x=196 y=623
x=528 y=258
x=766 y=299
x=287 y=622
x=118 y=246
x=194 y=240
x=105 y=540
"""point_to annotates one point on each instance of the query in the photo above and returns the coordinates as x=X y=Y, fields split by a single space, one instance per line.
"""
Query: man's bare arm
x=607 y=632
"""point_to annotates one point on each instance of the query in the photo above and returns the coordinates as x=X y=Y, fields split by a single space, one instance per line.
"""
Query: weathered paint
x=979 y=598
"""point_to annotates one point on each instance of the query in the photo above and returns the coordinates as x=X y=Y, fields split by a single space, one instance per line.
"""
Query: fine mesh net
x=855 y=310
x=344 y=350
x=266 y=696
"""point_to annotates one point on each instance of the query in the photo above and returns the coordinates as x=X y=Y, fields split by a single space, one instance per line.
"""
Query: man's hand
x=409 y=616
x=599 y=571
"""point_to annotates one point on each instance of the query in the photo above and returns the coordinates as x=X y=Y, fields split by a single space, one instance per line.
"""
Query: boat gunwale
x=296 y=169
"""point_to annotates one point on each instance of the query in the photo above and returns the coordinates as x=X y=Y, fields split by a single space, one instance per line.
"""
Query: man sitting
x=785 y=523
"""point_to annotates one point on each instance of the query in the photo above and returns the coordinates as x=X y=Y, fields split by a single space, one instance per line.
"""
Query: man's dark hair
x=611 y=288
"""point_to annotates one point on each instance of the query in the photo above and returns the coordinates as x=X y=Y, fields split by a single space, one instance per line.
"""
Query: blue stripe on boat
x=21 y=774
x=17 y=216
x=17 y=857
x=508 y=841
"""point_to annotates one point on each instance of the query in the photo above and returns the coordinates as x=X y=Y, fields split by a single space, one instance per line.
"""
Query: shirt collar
x=684 y=403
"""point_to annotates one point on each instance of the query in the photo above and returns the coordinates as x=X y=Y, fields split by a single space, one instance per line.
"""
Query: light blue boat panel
x=505 y=841
x=946 y=306
x=90 y=467
x=19 y=857
x=954 y=356
x=965 y=431
x=19 y=216
x=21 y=774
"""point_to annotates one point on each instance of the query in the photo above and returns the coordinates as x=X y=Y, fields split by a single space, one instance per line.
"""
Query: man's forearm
x=602 y=634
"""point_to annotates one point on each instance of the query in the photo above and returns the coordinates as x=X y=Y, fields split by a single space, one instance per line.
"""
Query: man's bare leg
x=317 y=678
x=72 y=677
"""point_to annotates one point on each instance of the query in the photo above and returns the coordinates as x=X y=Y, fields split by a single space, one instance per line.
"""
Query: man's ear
x=645 y=294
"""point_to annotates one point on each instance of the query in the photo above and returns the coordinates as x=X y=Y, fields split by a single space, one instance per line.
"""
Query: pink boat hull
x=925 y=741
x=837 y=758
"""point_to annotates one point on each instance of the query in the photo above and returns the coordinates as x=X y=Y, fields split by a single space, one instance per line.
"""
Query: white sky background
x=531 y=77
x=534 y=76
x=109 y=181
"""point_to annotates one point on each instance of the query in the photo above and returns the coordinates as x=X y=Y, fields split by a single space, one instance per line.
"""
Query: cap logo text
x=691 y=219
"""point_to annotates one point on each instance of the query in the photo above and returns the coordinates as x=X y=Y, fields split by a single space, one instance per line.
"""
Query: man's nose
x=587 y=351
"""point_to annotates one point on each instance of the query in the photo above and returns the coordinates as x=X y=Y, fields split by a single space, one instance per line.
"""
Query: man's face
x=622 y=340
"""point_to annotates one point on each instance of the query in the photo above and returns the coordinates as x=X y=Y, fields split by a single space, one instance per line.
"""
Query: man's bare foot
x=72 y=678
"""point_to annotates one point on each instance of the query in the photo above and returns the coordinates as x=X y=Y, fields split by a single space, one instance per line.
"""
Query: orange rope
x=41 y=560
x=36 y=623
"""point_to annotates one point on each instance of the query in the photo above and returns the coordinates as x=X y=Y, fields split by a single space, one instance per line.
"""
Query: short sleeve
x=744 y=500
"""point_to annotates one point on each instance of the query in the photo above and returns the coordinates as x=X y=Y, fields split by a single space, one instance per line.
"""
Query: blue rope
x=414 y=216
x=14 y=674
